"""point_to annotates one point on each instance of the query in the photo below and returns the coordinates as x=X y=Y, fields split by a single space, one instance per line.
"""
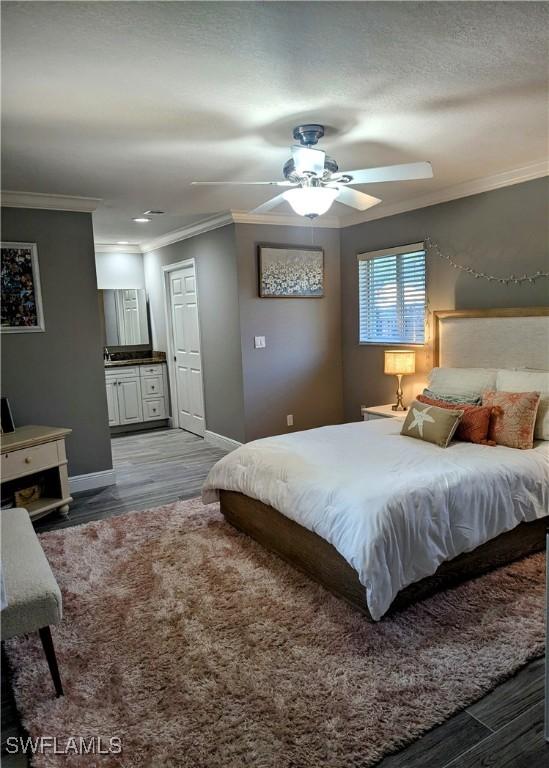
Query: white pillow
x=469 y=382
x=529 y=381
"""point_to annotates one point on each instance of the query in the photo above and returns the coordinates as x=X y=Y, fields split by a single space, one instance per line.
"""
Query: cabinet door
x=129 y=401
x=112 y=403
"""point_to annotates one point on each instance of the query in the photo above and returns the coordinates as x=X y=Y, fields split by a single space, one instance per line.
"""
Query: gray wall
x=300 y=370
x=57 y=378
x=499 y=232
x=216 y=263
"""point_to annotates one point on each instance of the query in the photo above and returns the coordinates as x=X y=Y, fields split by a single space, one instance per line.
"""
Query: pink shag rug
x=199 y=649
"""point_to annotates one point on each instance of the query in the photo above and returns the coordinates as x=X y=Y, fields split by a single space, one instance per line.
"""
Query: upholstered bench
x=32 y=594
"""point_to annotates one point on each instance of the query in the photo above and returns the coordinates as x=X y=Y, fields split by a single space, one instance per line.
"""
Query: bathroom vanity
x=136 y=378
x=137 y=391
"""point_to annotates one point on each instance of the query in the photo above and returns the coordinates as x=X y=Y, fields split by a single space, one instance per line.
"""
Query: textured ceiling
x=130 y=102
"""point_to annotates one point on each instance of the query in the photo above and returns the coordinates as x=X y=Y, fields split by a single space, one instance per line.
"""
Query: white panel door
x=112 y=403
x=130 y=406
x=186 y=345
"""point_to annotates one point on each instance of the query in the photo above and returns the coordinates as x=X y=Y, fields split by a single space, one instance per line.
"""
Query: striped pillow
x=452 y=398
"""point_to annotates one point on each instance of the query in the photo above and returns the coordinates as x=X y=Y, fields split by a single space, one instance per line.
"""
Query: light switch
x=259 y=342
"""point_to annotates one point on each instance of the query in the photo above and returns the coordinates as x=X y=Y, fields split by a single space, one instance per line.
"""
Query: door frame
x=169 y=337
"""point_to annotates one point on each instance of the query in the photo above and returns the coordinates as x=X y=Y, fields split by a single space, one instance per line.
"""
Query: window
x=392 y=295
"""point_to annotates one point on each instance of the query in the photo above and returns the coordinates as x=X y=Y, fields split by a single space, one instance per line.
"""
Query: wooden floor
x=502 y=730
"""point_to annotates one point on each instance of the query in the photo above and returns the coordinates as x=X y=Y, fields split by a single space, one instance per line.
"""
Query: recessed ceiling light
x=141 y=219
x=123 y=242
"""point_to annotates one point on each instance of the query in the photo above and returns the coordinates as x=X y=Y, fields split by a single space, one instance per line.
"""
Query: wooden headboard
x=491 y=338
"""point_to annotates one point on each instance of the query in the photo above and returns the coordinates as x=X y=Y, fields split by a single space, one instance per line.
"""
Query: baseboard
x=221 y=441
x=140 y=426
x=92 y=480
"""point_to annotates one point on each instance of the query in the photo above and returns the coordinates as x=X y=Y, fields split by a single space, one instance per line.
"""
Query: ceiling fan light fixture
x=311 y=201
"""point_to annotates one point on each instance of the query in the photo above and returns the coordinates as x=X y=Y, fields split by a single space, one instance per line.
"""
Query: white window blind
x=392 y=295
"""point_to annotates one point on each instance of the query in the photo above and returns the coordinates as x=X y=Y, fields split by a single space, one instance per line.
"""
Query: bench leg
x=49 y=650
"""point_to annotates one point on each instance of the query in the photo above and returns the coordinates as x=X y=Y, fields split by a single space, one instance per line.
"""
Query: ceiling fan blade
x=307 y=160
x=388 y=173
x=355 y=199
x=245 y=183
x=269 y=205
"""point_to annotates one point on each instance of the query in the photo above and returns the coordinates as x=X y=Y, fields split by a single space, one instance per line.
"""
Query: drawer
x=118 y=373
x=154 y=409
x=29 y=460
x=152 y=386
x=149 y=370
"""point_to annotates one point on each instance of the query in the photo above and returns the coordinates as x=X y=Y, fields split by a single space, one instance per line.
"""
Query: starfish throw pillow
x=431 y=423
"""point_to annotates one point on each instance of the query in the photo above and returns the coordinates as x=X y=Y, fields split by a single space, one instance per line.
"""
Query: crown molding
x=115 y=248
x=198 y=228
x=456 y=191
x=38 y=200
x=464 y=189
x=284 y=220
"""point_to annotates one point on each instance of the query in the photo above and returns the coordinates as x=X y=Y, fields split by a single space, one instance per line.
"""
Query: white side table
x=381 y=412
x=36 y=456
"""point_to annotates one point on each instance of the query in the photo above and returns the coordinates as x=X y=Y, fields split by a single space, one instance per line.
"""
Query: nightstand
x=35 y=456
x=381 y=412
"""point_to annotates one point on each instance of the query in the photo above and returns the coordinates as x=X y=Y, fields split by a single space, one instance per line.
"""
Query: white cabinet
x=130 y=407
x=124 y=400
x=112 y=402
x=136 y=394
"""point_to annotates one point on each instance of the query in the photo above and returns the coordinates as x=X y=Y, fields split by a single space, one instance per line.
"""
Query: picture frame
x=21 y=295
x=290 y=272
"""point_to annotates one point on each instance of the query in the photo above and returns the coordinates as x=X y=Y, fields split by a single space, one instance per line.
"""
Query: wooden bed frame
x=520 y=332
x=317 y=558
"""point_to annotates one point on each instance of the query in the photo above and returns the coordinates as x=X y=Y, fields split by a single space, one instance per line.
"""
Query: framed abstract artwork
x=21 y=299
x=291 y=273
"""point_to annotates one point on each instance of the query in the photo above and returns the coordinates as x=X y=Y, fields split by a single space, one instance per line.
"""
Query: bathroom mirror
x=125 y=316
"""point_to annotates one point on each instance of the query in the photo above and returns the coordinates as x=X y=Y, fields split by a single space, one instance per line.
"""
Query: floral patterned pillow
x=513 y=417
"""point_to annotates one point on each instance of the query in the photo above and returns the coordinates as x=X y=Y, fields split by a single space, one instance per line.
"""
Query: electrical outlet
x=290 y=419
x=259 y=342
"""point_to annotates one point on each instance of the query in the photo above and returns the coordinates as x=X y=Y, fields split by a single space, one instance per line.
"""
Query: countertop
x=139 y=361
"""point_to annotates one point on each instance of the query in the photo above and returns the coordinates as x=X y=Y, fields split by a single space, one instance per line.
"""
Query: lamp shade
x=311 y=201
x=400 y=361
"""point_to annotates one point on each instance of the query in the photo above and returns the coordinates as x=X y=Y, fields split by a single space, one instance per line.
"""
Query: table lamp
x=399 y=362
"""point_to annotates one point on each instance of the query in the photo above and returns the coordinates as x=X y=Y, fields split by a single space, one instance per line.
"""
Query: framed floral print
x=291 y=273
x=21 y=299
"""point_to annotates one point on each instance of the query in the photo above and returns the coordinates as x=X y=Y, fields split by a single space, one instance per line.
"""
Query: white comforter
x=394 y=507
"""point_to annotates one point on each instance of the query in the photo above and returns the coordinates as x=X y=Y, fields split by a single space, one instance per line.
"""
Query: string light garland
x=432 y=247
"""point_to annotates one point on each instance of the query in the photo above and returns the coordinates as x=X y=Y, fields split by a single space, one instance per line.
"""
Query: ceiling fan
x=315 y=181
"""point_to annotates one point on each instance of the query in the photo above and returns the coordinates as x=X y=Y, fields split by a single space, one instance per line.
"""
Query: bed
x=382 y=520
